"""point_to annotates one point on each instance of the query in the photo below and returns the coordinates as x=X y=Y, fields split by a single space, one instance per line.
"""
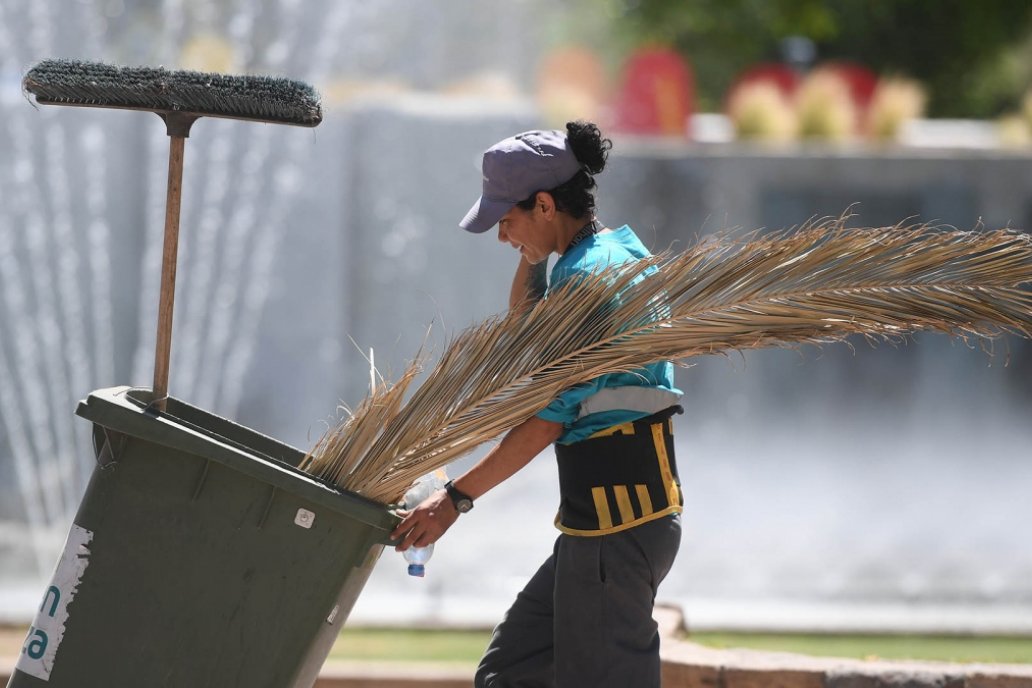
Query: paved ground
x=684 y=664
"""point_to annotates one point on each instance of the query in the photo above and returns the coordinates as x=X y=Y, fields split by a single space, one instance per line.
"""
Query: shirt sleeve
x=565 y=408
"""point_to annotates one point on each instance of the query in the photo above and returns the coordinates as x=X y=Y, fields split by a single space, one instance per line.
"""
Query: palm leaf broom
x=818 y=284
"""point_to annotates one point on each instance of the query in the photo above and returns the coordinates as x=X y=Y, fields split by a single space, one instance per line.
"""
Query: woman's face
x=529 y=232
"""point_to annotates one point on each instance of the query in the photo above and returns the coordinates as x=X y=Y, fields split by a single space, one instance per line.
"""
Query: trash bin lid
x=192 y=430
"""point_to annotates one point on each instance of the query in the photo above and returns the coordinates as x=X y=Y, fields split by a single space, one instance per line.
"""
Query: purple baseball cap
x=514 y=169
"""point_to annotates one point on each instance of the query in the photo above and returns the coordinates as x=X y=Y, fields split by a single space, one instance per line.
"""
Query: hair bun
x=588 y=146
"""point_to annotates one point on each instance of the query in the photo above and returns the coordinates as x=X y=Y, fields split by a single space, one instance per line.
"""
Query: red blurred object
x=860 y=80
x=657 y=95
x=782 y=76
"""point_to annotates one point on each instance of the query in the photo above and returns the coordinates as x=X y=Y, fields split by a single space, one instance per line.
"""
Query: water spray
x=180 y=98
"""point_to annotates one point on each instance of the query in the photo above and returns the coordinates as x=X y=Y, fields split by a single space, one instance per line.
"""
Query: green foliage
x=966 y=53
x=954 y=47
x=721 y=37
x=410 y=645
x=466 y=646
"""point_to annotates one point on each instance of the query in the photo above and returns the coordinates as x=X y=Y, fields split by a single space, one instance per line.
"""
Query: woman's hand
x=435 y=515
x=426 y=523
x=529 y=285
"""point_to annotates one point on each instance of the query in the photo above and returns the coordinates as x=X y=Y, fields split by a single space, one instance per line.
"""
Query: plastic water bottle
x=424 y=487
x=417 y=558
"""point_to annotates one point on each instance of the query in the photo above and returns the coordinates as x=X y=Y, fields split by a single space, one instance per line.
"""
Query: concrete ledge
x=689 y=665
x=346 y=674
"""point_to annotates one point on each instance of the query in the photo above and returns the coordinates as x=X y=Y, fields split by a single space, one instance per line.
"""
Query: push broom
x=190 y=536
x=180 y=98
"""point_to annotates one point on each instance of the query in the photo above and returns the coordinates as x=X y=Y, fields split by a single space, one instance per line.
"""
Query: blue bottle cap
x=416 y=570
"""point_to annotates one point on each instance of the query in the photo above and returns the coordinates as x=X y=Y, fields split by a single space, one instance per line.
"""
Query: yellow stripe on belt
x=623 y=502
x=672 y=491
x=644 y=499
x=623 y=429
x=602 y=507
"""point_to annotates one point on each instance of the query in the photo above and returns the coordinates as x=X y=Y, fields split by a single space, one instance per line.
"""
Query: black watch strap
x=462 y=501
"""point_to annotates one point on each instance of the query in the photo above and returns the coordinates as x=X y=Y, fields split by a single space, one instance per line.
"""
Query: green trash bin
x=200 y=556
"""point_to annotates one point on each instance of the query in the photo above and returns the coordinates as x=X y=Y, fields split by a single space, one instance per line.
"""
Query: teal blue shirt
x=595 y=252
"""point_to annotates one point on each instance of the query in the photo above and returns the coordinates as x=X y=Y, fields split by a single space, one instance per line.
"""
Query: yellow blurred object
x=571 y=84
x=490 y=85
x=1014 y=131
x=209 y=53
x=559 y=106
x=896 y=101
x=341 y=90
x=760 y=111
x=825 y=108
x=1026 y=109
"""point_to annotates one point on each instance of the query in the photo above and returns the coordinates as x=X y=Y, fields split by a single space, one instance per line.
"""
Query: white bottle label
x=304 y=518
x=40 y=649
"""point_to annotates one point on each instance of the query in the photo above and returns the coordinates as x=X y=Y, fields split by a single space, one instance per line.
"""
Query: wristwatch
x=463 y=503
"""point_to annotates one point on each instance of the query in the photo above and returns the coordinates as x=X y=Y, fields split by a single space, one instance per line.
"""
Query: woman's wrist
x=529 y=284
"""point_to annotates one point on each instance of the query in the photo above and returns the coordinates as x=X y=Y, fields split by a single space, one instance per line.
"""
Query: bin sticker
x=304 y=518
x=40 y=649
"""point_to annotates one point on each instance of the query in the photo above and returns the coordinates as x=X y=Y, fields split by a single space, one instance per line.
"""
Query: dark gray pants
x=585 y=618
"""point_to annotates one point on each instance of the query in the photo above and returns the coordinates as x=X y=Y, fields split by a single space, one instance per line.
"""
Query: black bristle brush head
x=94 y=84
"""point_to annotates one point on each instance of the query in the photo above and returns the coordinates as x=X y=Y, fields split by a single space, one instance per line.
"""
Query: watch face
x=463 y=504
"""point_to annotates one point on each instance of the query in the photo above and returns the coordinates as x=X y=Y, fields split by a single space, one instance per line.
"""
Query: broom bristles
x=819 y=284
x=259 y=98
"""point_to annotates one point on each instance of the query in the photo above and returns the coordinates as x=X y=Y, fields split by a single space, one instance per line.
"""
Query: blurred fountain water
x=59 y=267
x=94 y=147
x=49 y=348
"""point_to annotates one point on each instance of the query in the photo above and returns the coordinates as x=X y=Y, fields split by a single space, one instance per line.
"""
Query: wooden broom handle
x=163 y=346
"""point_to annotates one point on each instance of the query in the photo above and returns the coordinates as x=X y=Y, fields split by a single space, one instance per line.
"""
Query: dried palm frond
x=814 y=285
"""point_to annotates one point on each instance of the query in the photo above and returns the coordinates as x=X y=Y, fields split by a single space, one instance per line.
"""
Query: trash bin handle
x=386 y=541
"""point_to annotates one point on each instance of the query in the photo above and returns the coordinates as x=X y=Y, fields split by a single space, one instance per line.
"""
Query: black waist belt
x=620 y=477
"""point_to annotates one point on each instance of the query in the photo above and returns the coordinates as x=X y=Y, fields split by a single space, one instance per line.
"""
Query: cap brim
x=484 y=215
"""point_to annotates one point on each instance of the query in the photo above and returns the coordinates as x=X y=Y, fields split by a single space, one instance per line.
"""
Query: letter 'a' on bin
x=199 y=556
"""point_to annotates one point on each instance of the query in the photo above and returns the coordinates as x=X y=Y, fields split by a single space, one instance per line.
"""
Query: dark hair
x=575 y=196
